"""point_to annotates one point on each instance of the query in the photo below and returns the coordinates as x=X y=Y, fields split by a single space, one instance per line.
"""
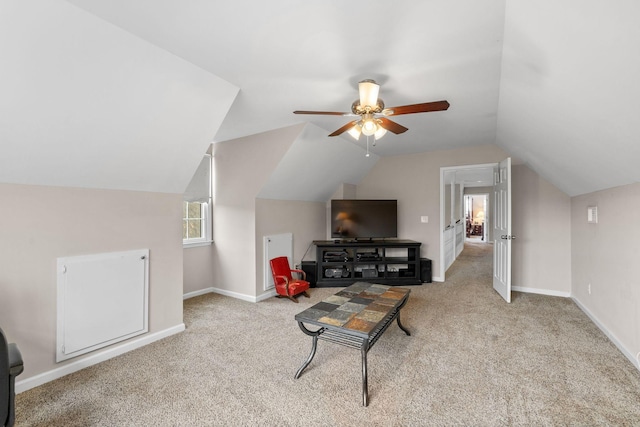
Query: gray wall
x=306 y=220
x=605 y=255
x=38 y=224
x=414 y=180
x=541 y=214
x=241 y=168
x=541 y=222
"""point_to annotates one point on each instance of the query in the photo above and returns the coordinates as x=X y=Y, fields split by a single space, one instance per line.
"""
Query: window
x=193 y=216
x=196 y=207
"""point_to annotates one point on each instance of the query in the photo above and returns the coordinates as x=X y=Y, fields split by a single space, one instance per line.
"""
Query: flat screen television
x=364 y=219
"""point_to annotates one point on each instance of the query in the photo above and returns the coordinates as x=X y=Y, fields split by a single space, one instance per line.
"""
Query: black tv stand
x=384 y=261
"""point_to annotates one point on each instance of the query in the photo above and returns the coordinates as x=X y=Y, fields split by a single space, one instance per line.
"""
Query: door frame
x=487 y=213
x=443 y=170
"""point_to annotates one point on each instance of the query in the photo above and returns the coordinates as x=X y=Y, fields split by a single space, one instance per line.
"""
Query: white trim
x=243 y=297
x=237 y=295
x=197 y=293
x=632 y=358
x=541 y=291
x=270 y=294
x=207 y=224
x=196 y=244
x=85 y=362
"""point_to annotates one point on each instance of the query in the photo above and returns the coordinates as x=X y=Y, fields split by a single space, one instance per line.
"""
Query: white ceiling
x=552 y=83
x=287 y=55
x=85 y=104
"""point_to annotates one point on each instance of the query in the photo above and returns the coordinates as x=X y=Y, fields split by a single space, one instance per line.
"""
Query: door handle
x=507 y=237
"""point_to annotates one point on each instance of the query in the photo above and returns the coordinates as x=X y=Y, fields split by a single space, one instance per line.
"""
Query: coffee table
x=354 y=317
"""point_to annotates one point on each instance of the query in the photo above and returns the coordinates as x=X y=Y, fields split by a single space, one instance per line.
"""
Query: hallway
x=474 y=264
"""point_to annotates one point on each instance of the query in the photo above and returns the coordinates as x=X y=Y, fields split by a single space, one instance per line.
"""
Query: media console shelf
x=384 y=261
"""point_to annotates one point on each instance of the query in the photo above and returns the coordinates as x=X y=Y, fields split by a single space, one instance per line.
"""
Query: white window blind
x=199 y=189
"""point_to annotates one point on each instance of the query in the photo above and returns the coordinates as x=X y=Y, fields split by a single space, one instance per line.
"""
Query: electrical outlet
x=589 y=288
x=424 y=219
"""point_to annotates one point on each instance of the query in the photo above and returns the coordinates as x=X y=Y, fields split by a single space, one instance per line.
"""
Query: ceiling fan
x=373 y=115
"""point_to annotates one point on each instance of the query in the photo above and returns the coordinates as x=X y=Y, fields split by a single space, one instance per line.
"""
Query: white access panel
x=102 y=299
x=275 y=246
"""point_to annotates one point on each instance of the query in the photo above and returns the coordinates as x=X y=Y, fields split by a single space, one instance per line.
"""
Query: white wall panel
x=102 y=299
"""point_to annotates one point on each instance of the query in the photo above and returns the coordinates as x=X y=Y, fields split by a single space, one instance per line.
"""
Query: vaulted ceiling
x=109 y=82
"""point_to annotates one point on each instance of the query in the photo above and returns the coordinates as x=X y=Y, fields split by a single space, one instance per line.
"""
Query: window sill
x=198 y=244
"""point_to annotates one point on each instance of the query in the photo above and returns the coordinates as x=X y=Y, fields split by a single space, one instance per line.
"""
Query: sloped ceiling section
x=90 y=87
x=87 y=104
x=290 y=55
x=570 y=91
x=315 y=165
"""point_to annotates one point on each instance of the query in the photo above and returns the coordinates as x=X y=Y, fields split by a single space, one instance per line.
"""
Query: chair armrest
x=304 y=275
x=284 y=278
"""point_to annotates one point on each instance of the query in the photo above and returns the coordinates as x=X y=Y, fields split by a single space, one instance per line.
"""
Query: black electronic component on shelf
x=384 y=261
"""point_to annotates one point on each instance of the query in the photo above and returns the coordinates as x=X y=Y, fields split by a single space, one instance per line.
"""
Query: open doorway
x=476 y=216
x=456 y=182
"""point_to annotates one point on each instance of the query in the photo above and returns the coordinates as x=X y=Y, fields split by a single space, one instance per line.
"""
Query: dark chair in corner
x=286 y=285
x=10 y=367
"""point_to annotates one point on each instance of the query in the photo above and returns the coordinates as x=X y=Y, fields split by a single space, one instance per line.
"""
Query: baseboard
x=268 y=294
x=541 y=291
x=249 y=298
x=197 y=293
x=629 y=355
x=85 y=362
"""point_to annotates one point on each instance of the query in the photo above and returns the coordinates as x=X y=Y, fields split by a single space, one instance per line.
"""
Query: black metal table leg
x=352 y=334
x=365 y=385
x=314 y=347
x=406 y=331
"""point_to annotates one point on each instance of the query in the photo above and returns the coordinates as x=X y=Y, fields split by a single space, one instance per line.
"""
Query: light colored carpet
x=472 y=359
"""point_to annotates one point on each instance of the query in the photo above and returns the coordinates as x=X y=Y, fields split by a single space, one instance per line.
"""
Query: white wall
x=198 y=276
x=540 y=213
x=414 y=180
x=541 y=222
x=87 y=104
x=605 y=255
x=38 y=224
x=306 y=220
x=241 y=168
x=568 y=81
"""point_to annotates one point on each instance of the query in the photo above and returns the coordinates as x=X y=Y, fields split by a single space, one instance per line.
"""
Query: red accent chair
x=286 y=285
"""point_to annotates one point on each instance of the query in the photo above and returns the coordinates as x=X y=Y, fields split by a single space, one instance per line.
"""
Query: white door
x=502 y=229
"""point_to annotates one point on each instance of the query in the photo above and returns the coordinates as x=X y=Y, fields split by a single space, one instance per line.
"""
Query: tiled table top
x=358 y=308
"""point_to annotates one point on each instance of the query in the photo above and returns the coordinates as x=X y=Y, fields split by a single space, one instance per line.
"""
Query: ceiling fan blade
x=344 y=128
x=417 y=108
x=392 y=126
x=326 y=113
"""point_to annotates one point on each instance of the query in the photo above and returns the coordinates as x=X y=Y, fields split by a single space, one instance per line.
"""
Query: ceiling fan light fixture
x=380 y=132
x=369 y=126
x=370 y=108
x=355 y=131
x=369 y=90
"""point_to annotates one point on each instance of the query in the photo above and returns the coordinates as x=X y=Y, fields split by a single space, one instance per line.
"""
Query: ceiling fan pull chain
x=367 y=155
